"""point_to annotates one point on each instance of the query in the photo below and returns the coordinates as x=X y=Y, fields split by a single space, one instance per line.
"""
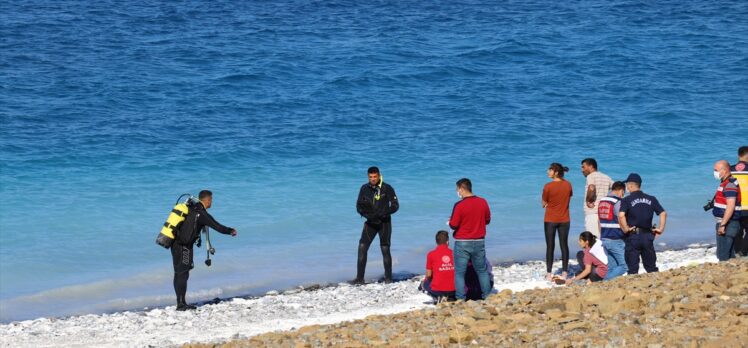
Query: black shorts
x=181 y=256
x=371 y=230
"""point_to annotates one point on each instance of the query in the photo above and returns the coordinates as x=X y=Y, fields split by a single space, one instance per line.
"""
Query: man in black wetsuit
x=181 y=250
x=376 y=202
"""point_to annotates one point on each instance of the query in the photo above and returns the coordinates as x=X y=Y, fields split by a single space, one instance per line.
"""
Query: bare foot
x=549 y=277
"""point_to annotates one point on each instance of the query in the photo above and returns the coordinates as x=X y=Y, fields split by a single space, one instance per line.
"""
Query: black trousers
x=593 y=276
x=182 y=258
x=384 y=230
x=741 y=240
x=640 y=245
x=550 y=244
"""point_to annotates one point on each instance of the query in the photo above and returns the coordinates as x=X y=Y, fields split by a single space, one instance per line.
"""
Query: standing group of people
x=730 y=207
x=619 y=233
x=618 y=230
x=446 y=269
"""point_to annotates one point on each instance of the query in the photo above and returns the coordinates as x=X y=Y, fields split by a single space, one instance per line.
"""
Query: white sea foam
x=242 y=317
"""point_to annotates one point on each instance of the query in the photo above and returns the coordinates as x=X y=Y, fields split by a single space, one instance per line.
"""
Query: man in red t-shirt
x=469 y=219
x=440 y=270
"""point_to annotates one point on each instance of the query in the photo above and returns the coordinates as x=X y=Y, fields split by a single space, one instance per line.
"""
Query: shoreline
x=244 y=317
x=135 y=299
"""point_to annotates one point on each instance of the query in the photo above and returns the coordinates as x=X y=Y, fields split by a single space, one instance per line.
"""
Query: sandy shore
x=243 y=318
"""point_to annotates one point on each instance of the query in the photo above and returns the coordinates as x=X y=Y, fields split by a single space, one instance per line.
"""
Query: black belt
x=638 y=230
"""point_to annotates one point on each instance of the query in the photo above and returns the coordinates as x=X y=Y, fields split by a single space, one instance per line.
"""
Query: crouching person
x=473 y=291
x=593 y=262
x=440 y=270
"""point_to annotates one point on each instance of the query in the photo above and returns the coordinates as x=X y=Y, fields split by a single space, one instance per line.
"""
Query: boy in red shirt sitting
x=440 y=270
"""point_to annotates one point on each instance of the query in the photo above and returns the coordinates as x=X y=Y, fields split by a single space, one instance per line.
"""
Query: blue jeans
x=426 y=286
x=726 y=242
x=474 y=251
x=615 y=249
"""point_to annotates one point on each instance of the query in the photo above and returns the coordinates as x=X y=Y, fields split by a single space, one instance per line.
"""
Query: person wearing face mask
x=726 y=203
x=376 y=202
x=469 y=219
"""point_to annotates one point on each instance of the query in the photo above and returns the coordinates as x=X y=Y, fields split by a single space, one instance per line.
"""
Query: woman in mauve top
x=556 y=198
x=593 y=269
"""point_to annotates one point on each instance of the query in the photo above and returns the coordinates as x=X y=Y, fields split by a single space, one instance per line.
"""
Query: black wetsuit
x=377 y=212
x=182 y=254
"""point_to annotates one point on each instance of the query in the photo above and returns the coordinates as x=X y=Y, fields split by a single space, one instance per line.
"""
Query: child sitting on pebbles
x=595 y=262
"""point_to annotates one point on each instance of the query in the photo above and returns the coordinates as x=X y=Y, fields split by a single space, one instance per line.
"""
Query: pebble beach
x=321 y=314
x=701 y=305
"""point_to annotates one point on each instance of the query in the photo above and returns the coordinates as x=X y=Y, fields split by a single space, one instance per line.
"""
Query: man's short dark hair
x=618 y=185
x=465 y=184
x=742 y=151
x=442 y=237
x=373 y=170
x=590 y=162
x=204 y=194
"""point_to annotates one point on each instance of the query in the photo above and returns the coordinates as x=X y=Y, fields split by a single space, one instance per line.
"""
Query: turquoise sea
x=110 y=110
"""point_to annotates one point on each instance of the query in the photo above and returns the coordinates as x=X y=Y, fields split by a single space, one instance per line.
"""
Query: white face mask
x=717 y=176
x=459 y=195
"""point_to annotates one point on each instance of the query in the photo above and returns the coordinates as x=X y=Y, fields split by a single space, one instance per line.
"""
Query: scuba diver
x=376 y=202
x=189 y=233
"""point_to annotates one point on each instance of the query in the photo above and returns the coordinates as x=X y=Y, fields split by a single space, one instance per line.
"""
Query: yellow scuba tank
x=168 y=232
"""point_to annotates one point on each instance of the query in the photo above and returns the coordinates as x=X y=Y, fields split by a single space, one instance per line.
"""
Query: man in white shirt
x=597 y=186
